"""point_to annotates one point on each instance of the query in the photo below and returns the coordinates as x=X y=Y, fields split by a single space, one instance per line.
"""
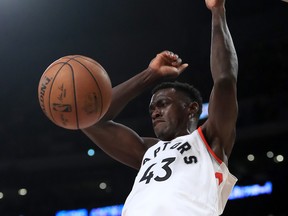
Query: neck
x=192 y=125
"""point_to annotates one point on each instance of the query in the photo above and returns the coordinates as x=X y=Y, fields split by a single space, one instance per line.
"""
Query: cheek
x=173 y=118
x=177 y=117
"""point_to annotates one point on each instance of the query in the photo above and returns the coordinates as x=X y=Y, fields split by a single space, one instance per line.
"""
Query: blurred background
x=45 y=168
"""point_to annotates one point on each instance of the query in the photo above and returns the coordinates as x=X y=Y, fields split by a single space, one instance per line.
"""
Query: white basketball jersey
x=182 y=177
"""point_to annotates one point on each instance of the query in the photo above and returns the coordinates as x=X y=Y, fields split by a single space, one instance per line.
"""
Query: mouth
x=157 y=121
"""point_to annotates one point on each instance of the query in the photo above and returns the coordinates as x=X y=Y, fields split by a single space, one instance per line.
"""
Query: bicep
x=119 y=142
x=222 y=115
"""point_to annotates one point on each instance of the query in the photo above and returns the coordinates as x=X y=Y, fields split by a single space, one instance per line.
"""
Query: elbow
x=226 y=81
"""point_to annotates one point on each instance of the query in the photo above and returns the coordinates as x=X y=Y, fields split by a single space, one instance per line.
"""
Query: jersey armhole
x=199 y=129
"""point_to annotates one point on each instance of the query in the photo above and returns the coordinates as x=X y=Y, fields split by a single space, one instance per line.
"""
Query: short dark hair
x=192 y=92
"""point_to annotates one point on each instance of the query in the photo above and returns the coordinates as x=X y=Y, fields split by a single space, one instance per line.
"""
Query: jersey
x=181 y=177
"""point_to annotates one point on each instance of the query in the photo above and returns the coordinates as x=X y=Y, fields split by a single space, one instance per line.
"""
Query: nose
x=156 y=113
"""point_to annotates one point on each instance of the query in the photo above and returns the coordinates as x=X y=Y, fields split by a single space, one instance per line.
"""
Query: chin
x=159 y=135
x=164 y=134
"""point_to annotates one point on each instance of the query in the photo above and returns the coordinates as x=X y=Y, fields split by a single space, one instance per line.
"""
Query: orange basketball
x=75 y=92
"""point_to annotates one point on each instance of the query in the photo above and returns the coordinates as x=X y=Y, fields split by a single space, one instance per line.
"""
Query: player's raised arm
x=117 y=140
x=223 y=109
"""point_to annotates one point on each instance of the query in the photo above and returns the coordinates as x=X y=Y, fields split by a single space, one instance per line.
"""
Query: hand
x=167 y=64
x=214 y=3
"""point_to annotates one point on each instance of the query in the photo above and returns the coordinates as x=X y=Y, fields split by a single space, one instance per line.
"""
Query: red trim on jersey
x=208 y=147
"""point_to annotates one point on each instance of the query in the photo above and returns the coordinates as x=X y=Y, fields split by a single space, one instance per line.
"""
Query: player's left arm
x=220 y=127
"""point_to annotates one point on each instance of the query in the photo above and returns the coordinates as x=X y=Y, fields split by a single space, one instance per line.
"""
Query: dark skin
x=164 y=109
x=172 y=113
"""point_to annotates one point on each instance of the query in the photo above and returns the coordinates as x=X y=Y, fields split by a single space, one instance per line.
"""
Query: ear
x=193 y=109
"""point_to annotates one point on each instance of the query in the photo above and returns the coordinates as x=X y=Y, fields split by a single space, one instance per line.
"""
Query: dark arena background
x=45 y=169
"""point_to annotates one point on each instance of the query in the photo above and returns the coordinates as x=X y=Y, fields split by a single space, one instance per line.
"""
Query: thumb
x=182 y=68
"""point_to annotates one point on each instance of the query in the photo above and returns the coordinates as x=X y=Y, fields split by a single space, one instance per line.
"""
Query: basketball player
x=184 y=170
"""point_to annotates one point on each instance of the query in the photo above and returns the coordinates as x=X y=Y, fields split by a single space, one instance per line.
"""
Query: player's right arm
x=117 y=140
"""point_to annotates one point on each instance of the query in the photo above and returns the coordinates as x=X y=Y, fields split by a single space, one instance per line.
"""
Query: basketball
x=74 y=92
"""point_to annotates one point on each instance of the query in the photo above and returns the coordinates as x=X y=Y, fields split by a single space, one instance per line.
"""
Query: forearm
x=123 y=93
x=224 y=62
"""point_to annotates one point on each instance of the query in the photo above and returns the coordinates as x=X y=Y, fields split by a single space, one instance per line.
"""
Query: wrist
x=149 y=78
x=218 y=10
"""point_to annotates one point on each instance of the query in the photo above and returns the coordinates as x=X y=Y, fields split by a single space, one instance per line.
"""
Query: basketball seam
x=96 y=82
x=50 y=90
x=75 y=99
x=74 y=88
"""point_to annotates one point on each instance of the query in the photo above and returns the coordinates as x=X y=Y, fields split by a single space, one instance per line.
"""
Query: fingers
x=173 y=58
x=175 y=61
x=170 y=55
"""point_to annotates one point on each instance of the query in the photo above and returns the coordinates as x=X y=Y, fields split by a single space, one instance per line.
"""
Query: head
x=175 y=109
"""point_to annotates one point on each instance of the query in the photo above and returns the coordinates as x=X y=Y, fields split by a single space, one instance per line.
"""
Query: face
x=169 y=112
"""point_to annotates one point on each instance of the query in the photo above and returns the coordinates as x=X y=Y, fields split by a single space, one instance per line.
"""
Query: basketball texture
x=74 y=92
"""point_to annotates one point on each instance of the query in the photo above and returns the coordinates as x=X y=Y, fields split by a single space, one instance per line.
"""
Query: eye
x=162 y=103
